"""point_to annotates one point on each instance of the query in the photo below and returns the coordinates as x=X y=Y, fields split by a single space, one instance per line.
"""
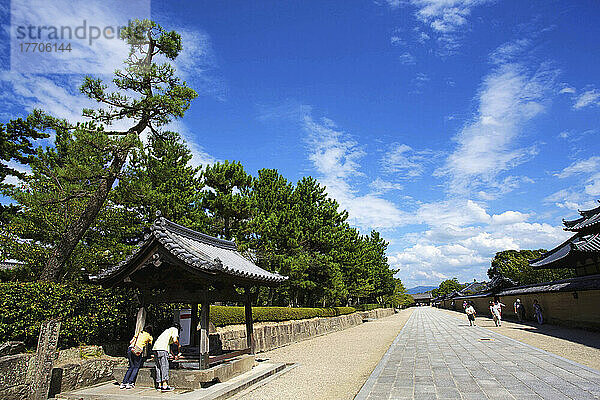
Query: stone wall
x=558 y=308
x=269 y=336
x=70 y=372
x=14 y=372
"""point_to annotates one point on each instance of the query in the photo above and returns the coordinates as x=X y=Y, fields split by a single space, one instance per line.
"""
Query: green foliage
x=300 y=232
x=89 y=314
x=446 y=287
x=93 y=315
x=51 y=197
x=368 y=307
x=159 y=177
x=221 y=316
x=16 y=142
x=514 y=264
x=227 y=201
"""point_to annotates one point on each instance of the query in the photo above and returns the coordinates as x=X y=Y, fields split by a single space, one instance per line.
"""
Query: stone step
x=218 y=391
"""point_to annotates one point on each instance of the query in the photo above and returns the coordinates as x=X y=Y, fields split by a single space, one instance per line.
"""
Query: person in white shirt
x=161 y=349
x=470 y=310
x=497 y=310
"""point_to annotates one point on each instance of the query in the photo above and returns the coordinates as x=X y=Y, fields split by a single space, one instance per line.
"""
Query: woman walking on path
x=498 y=310
x=135 y=356
x=470 y=314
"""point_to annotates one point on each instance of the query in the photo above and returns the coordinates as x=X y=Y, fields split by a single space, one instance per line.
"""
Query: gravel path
x=333 y=366
x=574 y=344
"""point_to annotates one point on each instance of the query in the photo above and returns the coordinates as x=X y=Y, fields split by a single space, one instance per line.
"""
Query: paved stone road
x=437 y=356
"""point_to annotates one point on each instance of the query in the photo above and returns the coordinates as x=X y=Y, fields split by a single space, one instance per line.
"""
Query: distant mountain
x=420 y=289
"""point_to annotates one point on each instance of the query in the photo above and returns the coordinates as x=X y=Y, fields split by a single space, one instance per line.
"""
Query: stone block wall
x=70 y=373
x=16 y=373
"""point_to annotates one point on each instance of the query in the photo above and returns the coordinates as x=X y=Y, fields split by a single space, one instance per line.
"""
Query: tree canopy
x=94 y=189
x=446 y=287
x=514 y=264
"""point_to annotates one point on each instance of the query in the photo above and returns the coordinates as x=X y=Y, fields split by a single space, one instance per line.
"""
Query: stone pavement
x=437 y=356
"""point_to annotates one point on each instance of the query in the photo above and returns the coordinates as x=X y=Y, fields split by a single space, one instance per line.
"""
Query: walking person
x=493 y=312
x=161 y=349
x=519 y=310
x=135 y=356
x=498 y=310
x=537 y=310
x=470 y=310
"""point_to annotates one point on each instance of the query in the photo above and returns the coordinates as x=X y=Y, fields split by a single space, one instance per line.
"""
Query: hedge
x=91 y=314
x=221 y=316
x=368 y=307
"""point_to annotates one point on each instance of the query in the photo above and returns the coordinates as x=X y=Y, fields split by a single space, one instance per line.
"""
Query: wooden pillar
x=204 y=338
x=249 y=323
x=140 y=320
x=194 y=334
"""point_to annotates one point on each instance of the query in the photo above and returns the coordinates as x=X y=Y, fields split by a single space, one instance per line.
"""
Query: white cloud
x=445 y=19
x=462 y=244
x=509 y=52
x=567 y=90
x=335 y=156
x=407 y=59
x=587 y=98
x=405 y=162
x=510 y=96
x=509 y=217
x=87 y=55
x=458 y=213
x=381 y=186
x=587 y=166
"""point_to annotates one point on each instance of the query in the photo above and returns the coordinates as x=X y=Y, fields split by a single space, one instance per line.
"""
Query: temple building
x=582 y=251
x=175 y=264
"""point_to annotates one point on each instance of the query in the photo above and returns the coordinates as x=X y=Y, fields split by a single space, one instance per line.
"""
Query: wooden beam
x=249 y=323
x=201 y=296
x=204 y=335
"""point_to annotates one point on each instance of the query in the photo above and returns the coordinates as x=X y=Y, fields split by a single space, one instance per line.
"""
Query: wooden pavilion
x=175 y=264
x=581 y=251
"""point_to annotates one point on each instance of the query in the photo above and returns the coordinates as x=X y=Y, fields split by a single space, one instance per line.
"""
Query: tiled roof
x=199 y=251
x=590 y=282
x=561 y=256
x=421 y=296
x=588 y=219
x=588 y=243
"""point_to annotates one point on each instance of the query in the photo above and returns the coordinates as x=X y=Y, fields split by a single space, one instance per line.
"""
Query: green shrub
x=91 y=314
x=221 y=316
x=368 y=307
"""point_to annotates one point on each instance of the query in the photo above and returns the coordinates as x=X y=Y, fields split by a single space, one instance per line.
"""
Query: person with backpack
x=135 y=356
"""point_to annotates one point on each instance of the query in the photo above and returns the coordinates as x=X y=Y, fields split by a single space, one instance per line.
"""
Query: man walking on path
x=519 y=310
x=161 y=350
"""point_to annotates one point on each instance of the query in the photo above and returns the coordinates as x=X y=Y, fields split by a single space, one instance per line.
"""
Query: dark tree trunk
x=77 y=229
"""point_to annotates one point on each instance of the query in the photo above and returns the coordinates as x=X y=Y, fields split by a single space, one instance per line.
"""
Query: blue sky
x=457 y=128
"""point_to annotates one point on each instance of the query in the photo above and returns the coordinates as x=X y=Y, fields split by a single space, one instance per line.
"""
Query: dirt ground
x=333 y=366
